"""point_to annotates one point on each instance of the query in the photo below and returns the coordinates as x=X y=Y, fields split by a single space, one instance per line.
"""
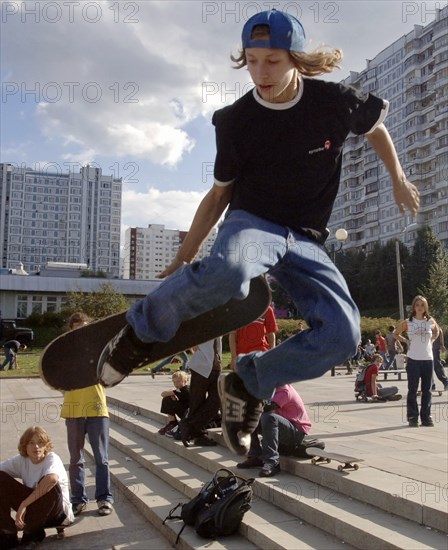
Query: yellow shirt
x=85 y=402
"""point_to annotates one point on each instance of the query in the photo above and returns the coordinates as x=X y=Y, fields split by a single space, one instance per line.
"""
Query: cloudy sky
x=130 y=86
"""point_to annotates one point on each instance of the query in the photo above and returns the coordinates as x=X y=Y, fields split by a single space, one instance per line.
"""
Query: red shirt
x=252 y=337
x=371 y=370
x=381 y=343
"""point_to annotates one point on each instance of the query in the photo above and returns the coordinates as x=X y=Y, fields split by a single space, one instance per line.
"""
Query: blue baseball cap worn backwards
x=285 y=31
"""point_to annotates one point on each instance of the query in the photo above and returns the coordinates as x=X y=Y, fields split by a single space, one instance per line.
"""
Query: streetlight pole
x=399 y=277
x=341 y=236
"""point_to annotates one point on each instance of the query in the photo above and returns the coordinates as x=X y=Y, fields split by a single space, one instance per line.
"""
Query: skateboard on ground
x=434 y=392
x=70 y=361
x=346 y=462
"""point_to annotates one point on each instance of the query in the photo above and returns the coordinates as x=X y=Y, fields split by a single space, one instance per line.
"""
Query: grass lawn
x=29 y=364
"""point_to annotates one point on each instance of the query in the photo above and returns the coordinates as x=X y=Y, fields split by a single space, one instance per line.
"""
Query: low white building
x=21 y=296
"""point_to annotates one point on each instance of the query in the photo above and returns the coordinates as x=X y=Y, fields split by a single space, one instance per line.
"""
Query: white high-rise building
x=412 y=74
x=50 y=216
x=149 y=250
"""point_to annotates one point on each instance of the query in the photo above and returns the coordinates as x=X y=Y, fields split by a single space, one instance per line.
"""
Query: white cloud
x=174 y=209
x=117 y=89
x=127 y=86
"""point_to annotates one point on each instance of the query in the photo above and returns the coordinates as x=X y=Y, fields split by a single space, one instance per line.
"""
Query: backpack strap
x=170 y=513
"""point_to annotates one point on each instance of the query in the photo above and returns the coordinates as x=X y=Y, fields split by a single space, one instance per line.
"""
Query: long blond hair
x=319 y=61
x=426 y=315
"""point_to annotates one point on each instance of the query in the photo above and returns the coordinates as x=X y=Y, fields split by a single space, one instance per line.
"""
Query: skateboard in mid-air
x=346 y=462
x=70 y=361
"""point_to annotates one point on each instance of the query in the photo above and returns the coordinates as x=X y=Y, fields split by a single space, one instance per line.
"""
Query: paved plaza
x=375 y=432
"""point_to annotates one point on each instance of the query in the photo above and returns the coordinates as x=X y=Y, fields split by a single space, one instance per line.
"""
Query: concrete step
x=169 y=479
x=352 y=521
x=418 y=502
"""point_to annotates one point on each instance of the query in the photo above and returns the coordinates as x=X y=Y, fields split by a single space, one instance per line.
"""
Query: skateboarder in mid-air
x=277 y=171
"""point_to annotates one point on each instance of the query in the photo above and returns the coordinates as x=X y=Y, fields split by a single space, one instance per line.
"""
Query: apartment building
x=148 y=250
x=50 y=216
x=412 y=74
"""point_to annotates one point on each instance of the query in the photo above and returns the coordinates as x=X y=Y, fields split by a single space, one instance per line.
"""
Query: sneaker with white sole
x=123 y=354
x=105 y=508
x=240 y=412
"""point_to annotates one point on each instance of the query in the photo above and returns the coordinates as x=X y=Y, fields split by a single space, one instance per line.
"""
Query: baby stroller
x=360 y=386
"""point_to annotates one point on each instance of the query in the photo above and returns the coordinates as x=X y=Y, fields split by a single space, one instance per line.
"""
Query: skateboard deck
x=70 y=361
x=346 y=462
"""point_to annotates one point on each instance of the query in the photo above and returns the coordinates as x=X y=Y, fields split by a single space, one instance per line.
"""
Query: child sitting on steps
x=175 y=402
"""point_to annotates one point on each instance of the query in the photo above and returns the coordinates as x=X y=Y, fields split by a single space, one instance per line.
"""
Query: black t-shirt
x=286 y=162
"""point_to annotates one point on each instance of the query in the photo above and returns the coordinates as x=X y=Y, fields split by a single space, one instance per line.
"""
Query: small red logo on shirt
x=326 y=147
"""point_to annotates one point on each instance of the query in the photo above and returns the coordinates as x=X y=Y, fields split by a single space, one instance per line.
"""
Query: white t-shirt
x=420 y=337
x=21 y=467
x=202 y=359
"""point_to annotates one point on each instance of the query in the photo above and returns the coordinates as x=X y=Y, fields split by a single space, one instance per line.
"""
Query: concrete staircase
x=305 y=507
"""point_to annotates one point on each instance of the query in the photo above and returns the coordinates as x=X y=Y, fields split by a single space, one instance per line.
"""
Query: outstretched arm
x=207 y=215
x=405 y=193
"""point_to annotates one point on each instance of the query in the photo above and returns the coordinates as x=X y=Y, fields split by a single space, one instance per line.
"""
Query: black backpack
x=218 y=509
x=360 y=386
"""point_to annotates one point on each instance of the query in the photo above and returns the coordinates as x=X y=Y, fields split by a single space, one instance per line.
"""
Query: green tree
x=98 y=303
x=426 y=252
x=436 y=288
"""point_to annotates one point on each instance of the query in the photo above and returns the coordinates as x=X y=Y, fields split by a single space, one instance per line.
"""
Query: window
x=51 y=303
x=22 y=306
x=36 y=304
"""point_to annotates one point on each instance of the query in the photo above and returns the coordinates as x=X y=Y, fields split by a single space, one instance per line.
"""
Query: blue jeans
x=10 y=359
x=248 y=246
x=389 y=363
x=279 y=436
x=97 y=429
x=438 y=368
x=419 y=370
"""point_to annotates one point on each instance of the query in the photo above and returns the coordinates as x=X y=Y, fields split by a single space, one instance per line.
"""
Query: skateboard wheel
x=314 y=461
x=340 y=468
x=328 y=460
x=356 y=466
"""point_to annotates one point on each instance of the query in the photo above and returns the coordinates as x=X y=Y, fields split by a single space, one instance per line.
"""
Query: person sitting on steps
x=283 y=425
x=41 y=500
x=175 y=402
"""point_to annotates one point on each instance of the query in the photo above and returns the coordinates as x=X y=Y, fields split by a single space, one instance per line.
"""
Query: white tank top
x=420 y=335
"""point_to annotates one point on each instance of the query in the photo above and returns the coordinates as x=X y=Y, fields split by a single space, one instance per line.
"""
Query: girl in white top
x=42 y=500
x=421 y=330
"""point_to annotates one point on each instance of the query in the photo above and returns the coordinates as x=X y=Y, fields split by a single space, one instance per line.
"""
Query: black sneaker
x=413 y=423
x=240 y=412
x=429 y=423
x=269 y=470
x=250 y=462
x=185 y=432
x=205 y=441
x=124 y=353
